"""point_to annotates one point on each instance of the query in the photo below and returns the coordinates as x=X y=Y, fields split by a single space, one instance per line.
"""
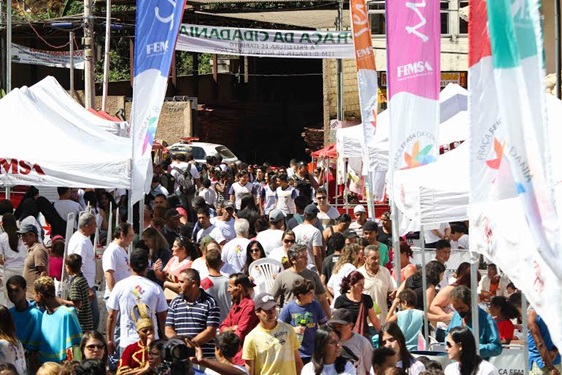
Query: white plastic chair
x=263 y=271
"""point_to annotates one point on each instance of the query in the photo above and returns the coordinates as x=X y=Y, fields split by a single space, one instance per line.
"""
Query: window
x=445 y=30
x=463 y=24
x=377 y=17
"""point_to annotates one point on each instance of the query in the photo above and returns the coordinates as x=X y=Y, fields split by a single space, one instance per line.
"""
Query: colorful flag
x=512 y=209
x=414 y=71
x=157 y=27
x=367 y=82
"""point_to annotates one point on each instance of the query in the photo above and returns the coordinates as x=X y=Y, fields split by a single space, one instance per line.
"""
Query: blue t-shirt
x=534 y=354
x=410 y=323
x=28 y=326
x=311 y=316
x=61 y=330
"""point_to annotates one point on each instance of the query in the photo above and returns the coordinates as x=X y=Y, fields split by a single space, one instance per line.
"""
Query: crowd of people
x=183 y=292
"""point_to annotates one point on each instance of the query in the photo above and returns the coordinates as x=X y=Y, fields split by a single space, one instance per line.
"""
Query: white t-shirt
x=378 y=287
x=238 y=190
x=200 y=266
x=308 y=369
x=286 y=200
x=117 y=259
x=308 y=235
x=125 y=295
x=430 y=237
x=269 y=199
x=81 y=245
x=270 y=239
x=67 y=206
x=183 y=166
x=462 y=243
x=278 y=254
x=335 y=280
x=226 y=227
x=12 y=260
x=234 y=253
x=209 y=195
x=327 y=217
x=211 y=230
x=485 y=368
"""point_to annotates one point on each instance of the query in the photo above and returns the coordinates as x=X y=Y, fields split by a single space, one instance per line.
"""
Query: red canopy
x=104 y=115
x=326 y=152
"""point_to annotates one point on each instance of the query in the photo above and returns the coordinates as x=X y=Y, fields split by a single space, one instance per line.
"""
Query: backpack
x=185 y=180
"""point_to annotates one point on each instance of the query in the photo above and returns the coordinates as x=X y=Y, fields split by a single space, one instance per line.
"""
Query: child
x=503 y=311
x=55 y=257
x=208 y=193
x=510 y=289
x=304 y=314
x=78 y=295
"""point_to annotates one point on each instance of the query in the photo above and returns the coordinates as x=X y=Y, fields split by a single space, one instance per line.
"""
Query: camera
x=175 y=357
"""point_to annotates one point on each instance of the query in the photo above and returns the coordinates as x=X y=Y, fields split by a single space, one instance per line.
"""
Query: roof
x=308 y=19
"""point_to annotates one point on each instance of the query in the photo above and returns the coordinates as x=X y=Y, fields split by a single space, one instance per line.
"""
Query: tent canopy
x=45 y=145
x=326 y=152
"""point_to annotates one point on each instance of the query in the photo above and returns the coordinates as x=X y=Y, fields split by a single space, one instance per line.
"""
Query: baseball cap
x=350 y=233
x=171 y=212
x=228 y=204
x=139 y=258
x=370 y=226
x=358 y=209
x=264 y=301
x=276 y=215
x=341 y=316
x=311 y=209
x=28 y=228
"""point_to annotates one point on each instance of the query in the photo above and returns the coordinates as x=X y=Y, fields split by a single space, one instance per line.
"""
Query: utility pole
x=106 y=55
x=71 y=40
x=88 y=43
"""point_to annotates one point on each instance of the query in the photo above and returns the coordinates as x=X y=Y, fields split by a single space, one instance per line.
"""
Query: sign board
x=57 y=59
x=446 y=77
x=265 y=43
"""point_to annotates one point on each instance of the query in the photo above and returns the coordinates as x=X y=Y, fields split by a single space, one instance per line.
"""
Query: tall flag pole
x=157 y=28
x=368 y=86
x=414 y=74
x=514 y=221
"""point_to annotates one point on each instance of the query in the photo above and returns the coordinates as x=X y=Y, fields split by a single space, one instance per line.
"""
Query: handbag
x=359 y=326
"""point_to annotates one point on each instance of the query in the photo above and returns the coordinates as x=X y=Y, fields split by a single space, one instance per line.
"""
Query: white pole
x=8 y=46
x=88 y=41
x=71 y=40
x=474 y=298
x=106 y=55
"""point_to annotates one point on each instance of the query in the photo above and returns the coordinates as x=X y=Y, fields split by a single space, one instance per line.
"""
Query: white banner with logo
x=57 y=59
x=265 y=43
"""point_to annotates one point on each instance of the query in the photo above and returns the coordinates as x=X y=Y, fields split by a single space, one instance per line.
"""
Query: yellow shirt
x=273 y=352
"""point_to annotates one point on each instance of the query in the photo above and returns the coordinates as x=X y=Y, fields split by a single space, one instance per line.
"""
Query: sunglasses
x=255 y=251
x=289 y=241
x=324 y=197
x=94 y=346
x=449 y=345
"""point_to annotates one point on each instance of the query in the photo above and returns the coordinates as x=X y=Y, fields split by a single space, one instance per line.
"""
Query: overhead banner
x=158 y=23
x=56 y=59
x=265 y=43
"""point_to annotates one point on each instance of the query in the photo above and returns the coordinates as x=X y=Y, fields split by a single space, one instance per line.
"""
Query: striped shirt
x=79 y=291
x=191 y=318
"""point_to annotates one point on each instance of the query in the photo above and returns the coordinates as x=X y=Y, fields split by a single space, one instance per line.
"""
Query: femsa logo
x=417 y=67
x=15 y=166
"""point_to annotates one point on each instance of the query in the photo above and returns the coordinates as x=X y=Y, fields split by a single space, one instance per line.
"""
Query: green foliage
x=184 y=63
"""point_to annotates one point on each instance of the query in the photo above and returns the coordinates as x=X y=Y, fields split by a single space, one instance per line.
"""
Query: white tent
x=438 y=192
x=43 y=147
x=454 y=127
x=50 y=92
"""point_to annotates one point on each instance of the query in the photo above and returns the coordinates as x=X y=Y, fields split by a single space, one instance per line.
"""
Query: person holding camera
x=226 y=347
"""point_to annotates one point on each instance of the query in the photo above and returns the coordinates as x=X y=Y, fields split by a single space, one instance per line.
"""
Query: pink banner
x=413 y=41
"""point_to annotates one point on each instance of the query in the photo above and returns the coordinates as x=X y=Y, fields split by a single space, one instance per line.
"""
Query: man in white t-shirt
x=307 y=234
x=81 y=244
x=133 y=290
x=179 y=166
x=65 y=206
x=234 y=251
x=271 y=238
x=240 y=188
x=115 y=260
x=355 y=348
x=208 y=229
